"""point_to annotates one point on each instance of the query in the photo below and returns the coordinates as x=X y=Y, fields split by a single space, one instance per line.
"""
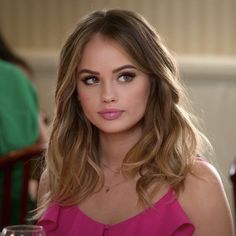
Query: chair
x=232 y=173
x=7 y=162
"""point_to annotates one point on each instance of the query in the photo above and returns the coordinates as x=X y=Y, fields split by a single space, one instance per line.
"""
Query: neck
x=114 y=147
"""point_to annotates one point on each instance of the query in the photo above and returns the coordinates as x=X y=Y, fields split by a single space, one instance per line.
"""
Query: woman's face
x=112 y=91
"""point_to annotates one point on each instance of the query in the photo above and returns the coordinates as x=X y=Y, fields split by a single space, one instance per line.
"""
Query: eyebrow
x=88 y=71
x=124 y=67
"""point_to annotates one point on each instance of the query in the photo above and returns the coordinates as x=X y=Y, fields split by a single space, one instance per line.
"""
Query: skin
x=113 y=83
x=205 y=202
x=100 y=85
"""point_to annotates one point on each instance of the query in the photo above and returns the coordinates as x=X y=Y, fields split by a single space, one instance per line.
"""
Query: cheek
x=143 y=94
x=85 y=101
x=138 y=101
x=143 y=99
x=88 y=103
x=83 y=96
x=147 y=89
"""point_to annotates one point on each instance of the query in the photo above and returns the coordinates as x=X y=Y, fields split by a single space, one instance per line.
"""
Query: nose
x=109 y=93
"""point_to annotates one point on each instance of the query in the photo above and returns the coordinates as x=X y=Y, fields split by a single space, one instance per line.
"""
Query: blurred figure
x=7 y=55
x=21 y=124
x=19 y=113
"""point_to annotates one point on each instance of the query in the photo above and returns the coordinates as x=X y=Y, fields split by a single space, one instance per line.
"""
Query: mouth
x=110 y=114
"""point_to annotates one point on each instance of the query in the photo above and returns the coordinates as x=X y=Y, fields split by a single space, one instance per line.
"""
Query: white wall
x=211 y=84
x=188 y=26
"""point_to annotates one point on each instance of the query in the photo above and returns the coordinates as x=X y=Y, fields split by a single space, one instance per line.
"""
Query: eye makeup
x=90 y=80
x=126 y=76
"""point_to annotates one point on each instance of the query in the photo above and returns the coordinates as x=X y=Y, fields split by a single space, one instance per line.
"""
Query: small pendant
x=107 y=189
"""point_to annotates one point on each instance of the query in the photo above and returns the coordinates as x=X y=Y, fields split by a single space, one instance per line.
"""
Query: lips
x=111 y=114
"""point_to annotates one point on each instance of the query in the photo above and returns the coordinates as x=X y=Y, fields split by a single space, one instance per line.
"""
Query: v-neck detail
x=167 y=196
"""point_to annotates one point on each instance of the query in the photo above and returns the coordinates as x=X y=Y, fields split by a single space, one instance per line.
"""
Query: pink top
x=165 y=218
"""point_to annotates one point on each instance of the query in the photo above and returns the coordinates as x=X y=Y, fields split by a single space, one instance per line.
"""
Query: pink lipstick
x=110 y=114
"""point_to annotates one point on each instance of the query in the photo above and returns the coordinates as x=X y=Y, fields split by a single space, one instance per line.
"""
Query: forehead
x=100 y=49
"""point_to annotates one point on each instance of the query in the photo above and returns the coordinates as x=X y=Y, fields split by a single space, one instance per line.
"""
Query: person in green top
x=19 y=112
x=19 y=109
x=19 y=121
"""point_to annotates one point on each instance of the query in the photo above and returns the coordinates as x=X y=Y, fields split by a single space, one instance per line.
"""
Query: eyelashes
x=123 y=77
x=126 y=77
x=90 y=80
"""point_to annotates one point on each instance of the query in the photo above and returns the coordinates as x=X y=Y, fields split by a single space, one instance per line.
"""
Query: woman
x=123 y=153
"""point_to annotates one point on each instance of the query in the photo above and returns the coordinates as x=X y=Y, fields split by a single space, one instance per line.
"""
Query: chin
x=115 y=129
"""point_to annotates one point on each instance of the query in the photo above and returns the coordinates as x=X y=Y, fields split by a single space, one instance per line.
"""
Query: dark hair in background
x=7 y=54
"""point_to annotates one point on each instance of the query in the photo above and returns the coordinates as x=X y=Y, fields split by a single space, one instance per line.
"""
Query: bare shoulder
x=43 y=187
x=205 y=202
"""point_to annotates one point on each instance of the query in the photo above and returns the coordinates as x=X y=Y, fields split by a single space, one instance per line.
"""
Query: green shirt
x=18 y=109
x=19 y=124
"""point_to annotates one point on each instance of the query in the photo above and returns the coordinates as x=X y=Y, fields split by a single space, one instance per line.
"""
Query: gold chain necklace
x=108 y=188
x=115 y=171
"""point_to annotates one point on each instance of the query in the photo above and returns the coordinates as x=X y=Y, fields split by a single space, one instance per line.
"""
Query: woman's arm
x=204 y=200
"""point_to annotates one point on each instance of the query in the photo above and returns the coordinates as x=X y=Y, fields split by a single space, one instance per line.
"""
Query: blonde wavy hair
x=170 y=142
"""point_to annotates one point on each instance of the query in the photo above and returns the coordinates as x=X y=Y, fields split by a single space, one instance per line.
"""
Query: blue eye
x=126 y=77
x=90 y=80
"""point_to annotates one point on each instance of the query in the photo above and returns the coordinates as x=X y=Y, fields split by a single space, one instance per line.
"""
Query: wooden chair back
x=7 y=163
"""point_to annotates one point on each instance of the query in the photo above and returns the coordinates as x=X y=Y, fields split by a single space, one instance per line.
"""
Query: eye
x=90 y=80
x=126 y=77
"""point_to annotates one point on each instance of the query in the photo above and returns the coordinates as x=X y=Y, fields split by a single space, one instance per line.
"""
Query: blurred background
x=201 y=34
